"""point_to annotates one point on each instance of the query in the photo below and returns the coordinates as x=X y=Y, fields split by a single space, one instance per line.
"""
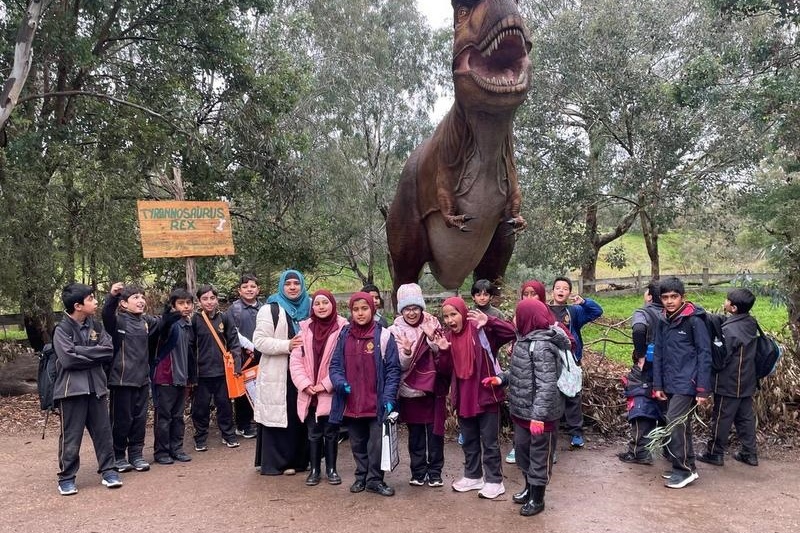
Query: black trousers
x=243 y=412
x=425 y=451
x=640 y=427
x=480 y=435
x=573 y=415
x=208 y=390
x=128 y=407
x=534 y=454
x=169 y=401
x=727 y=412
x=680 y=447
x=365 y=442
x=78 y=413
x=320 y=428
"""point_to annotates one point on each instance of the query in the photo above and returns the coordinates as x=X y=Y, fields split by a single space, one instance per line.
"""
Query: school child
x=244 y=312
x=129 y=375
x=423 y=390
x=482 y=293
x=213 y=332
x=365 y=372
x=172 y=369
x=282 y=438
x=535 y=403
x=80 y=389
x=474 y=338
x=574 y=316
x=309 y=365
x=375 y=292
x=682 y=374
x=643 y=411
x=735 y=385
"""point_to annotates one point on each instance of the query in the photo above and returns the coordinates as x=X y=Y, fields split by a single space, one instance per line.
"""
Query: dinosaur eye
x=461 y=14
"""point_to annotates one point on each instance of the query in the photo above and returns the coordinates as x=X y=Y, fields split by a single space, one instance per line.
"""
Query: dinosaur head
x=491 y=69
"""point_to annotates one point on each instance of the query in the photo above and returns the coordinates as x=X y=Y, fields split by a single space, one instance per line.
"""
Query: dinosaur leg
x=407 y=258
x=498 y=254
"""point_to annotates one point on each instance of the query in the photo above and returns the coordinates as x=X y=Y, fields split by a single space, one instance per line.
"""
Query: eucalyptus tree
x=118 y=94
x=628 y=122
x=375 y=76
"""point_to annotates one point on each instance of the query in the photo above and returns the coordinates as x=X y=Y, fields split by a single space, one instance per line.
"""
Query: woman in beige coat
x=281 y=445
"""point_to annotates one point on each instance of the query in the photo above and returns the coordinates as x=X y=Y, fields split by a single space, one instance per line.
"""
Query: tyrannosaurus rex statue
x=458 y=200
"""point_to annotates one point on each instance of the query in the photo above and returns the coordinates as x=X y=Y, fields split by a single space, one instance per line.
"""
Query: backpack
x=768 y=353
x=46 y=377
x=571 y=377
x=719 y=353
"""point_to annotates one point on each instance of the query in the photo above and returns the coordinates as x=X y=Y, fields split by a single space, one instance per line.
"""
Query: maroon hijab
x=538 y=288
x=322 y=328
x=368 y=330
x=463 y=344
x=532 y=315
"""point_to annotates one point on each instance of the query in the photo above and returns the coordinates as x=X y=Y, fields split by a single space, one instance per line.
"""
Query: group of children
x=672 y=373
x=320 y=371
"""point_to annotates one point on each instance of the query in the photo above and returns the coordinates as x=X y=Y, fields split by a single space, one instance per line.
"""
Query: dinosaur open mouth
x=499 y=63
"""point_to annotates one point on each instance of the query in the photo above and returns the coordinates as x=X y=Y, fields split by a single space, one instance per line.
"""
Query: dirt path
x=219 y=491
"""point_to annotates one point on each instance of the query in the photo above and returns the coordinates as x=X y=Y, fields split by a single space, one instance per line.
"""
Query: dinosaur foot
x=458 y=221
x=518 y=223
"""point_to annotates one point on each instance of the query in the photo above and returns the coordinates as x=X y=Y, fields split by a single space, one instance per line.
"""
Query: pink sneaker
x=466 y=484
x=490 y=491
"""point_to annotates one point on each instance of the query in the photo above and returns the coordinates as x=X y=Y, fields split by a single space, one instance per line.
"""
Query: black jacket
x=131 y=336
x=82 y=350
x=738 y=378
x=208 y=356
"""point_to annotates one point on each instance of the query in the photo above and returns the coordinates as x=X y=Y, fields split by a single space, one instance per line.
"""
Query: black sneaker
x=417 y=482
x=140 y=465
x=435 y=481
x=230 y=443
x=182 y=457
x=200 y=447
x=680 y=478
x=122 y=465
x=628 y=457
x=381 y=488
x=249 y=433
x=746 y=458
x=67 y=487
x=164 y=460
x=711 y=458
x=358 y=486
x=111 y=479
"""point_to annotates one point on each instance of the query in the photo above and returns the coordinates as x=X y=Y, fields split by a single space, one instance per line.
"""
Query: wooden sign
x=184 y=229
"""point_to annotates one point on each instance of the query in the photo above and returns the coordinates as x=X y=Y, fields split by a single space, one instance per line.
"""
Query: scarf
x=366 y=331
x=322 y=328
x=298 y=308
x=532 y=315
x=538 y=288
x=463 y=344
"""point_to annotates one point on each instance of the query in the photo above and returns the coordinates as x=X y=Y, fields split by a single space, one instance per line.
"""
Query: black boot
x=331 y=451
x=315 y=454
x=522 y=496
x=535 y=504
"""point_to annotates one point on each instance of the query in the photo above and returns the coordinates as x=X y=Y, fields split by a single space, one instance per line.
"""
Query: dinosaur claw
x=467 y=218
x=465 y=229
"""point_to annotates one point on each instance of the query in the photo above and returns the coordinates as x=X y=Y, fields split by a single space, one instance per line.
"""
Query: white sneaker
x=490 y=491
x=466 y=484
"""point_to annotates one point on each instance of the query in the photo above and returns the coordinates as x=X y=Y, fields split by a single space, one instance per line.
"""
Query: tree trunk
x=23 y=52
x=650 y=234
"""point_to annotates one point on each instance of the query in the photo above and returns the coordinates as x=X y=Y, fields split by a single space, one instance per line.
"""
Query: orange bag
x=235 y=383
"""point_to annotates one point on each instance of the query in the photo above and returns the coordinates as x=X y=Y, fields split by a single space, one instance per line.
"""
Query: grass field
x=611 y=335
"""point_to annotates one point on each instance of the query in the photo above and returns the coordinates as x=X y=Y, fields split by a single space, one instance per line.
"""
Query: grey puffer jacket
x=532 y=376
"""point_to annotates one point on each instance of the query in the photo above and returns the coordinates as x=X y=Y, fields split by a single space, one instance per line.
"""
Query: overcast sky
x=439 y=12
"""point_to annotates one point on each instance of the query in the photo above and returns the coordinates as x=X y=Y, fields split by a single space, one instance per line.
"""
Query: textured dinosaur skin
x=457 y=202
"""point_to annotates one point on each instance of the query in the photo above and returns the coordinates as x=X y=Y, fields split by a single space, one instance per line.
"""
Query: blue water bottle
x=649 y=355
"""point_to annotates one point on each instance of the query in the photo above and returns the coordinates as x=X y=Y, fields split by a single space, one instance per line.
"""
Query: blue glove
x=389 y=407
x=347 y=388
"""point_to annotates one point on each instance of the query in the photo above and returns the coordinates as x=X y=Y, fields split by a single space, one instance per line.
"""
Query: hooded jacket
x=738 y=378
x=682 y=359
x=535 y=367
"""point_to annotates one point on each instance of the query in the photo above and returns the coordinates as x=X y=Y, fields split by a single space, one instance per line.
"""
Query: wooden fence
x=636 y=284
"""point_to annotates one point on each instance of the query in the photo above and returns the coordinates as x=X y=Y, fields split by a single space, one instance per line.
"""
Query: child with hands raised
x=467 y=352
